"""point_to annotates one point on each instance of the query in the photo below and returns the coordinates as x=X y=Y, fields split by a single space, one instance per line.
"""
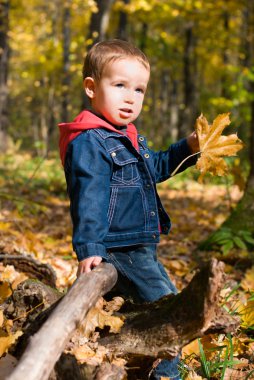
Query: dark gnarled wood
x=162 y=328
x=28 y=265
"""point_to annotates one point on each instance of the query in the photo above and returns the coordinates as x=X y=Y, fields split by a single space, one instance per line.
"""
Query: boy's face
x=119 y=94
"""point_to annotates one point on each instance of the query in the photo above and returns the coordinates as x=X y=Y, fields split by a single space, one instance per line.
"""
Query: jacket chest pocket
x=125 y=166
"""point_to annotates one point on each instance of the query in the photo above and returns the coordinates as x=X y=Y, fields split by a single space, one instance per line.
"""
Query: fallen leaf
x=247 y=314
x=83 y=352
x=114 y=305
x=1 y=317
x=234 y=374
x=97 y=317
x=7 y=341
x=5 y=291
x=248 y=281
x=193 y=376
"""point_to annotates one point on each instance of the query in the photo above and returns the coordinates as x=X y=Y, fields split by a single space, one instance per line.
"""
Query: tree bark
x=99 y=21
x=152 y=330
x=4 y=61
x=66 y=58
x=97 y=31
x=189 y=113
x=28 y=265
x=51 y=339
x=122 y=23
x=160 y=329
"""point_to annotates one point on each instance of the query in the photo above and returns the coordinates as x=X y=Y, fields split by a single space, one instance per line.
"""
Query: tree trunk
x=66 y=59
x=97 y=31
x=122 y=23
x=151 y=330
x=189 y=113
x=99 y=21
x=4 y=61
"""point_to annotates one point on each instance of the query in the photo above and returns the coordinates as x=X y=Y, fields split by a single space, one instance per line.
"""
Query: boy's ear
x=89 y=87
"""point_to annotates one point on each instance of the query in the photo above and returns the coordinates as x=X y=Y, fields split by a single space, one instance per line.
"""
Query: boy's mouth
x=126 y=111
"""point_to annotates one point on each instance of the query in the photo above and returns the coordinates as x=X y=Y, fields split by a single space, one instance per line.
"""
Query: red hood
x=87 y=120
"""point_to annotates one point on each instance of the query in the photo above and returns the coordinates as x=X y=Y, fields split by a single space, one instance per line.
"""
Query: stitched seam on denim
x=106 y=134
x=122 y=163
x=136 y=233
x=144 y=205
x=112 y=204
x=116 y=148
x=122 y=180
x=120 y=266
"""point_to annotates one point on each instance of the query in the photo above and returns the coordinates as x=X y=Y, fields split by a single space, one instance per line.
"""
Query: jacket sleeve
x=165 y=162
x=88 y=171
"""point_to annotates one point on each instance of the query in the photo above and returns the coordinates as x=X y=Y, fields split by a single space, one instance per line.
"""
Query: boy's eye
x=119 y=85
x=140 y=90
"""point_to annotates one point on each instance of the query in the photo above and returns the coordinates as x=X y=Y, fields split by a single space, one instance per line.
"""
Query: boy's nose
x=129 y=98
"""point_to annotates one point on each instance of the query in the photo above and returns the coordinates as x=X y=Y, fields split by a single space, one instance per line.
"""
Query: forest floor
x=34 y=219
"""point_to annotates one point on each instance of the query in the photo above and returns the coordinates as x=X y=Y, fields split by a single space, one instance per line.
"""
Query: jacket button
x=141 y=138
x=152 y=213
x=113 y=154
x=146 y=155
x=148 y=185
x=154 y=236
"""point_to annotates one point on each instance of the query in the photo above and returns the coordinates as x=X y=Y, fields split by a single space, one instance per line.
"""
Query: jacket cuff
x=186 y=151
x=89 y=250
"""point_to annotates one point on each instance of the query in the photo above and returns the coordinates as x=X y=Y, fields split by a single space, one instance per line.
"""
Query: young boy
x=111 y=177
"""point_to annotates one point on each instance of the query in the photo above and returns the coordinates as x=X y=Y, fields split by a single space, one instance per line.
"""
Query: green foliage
x=225 y=240
x=27 y=173
x=220 y=363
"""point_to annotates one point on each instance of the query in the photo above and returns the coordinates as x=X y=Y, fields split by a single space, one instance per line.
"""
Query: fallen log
x=152 y=330
x=160 y=329
x=28 y=265
x=47 y=344
x=28 y=300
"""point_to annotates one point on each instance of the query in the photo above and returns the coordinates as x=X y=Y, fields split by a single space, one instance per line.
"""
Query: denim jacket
x=112 y=190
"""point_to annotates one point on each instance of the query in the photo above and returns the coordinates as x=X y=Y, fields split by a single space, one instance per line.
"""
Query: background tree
x=4 y=62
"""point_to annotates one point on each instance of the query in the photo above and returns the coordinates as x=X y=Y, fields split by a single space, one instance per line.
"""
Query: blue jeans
x=143 y=278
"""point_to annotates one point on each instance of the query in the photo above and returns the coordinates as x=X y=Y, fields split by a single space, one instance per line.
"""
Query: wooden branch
x=46 y=346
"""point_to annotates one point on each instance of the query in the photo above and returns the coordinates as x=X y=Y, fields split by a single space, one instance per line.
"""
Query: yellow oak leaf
x=247 y=282
x=1 y=317
x=193 y=376
x=7 y=341
x=5 y=291
x=98 y=317
x=247 y=314
x=214 y=146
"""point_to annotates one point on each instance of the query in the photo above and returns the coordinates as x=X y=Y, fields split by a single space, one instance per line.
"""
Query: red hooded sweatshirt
x=87 y=120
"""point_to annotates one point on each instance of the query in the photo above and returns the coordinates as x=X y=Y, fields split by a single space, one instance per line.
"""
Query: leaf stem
x=181 y=163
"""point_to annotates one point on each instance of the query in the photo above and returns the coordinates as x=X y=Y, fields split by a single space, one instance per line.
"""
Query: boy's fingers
x=86 y=265
x=97 y=261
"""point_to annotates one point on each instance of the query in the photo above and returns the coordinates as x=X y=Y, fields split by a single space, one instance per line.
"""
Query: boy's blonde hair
x=105 y=52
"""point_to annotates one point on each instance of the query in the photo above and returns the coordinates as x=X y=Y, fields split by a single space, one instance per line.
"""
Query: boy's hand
x=85 y=266
x=193 y=142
